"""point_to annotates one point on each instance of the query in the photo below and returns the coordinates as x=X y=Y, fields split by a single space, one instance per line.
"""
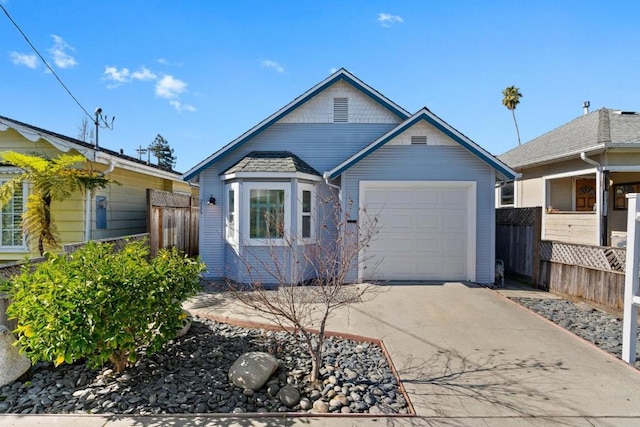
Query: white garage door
x=427 y=230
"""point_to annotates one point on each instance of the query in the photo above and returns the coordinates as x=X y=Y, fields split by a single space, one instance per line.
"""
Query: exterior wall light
x=212 y=201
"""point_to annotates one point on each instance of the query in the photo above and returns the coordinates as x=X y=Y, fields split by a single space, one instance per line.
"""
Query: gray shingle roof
x=601 y=127
x=271 y=161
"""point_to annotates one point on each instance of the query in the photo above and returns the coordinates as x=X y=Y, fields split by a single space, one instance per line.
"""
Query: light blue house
x=343 y=147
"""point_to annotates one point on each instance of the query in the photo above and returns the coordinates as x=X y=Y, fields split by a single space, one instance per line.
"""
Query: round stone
x=289 y=395
x=320 y=407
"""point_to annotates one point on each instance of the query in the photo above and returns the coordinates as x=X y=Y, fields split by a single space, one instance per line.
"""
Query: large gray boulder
x=12 y=363
x=252 y=370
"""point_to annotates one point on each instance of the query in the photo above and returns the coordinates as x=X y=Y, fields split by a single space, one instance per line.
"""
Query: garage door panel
x=454 y=220
x=427 y=220
x=424 y=232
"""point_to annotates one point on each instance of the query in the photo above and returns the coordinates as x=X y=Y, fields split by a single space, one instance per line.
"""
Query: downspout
x=601 y=199
x=87 y=203
x=326 y=177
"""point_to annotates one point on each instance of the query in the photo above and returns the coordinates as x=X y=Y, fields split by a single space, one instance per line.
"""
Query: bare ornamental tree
x=310 y=274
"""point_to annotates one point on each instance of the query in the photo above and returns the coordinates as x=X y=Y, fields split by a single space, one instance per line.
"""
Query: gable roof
x=341 y=74
x=425 y=114
x=271 y=161
x=594 y=131
x=90 y=151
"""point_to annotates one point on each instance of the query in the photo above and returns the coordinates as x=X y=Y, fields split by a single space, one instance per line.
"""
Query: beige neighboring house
x=579 y=173
x=118 y=210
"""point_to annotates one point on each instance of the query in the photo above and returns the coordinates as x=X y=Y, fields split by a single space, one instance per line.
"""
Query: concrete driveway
x=466 y=356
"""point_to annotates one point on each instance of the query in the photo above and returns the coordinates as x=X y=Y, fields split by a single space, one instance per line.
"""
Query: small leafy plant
x=101 y=304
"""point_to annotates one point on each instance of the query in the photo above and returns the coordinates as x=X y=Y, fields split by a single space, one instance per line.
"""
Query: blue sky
x=200 y=73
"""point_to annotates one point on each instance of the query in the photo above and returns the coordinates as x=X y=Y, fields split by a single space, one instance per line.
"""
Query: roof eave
x=567 y=156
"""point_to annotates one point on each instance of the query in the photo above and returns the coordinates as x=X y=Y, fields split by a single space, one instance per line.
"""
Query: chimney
x=585 y=107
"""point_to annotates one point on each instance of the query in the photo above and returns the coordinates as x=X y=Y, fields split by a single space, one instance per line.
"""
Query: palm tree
x=50 y=179
x=511 y=99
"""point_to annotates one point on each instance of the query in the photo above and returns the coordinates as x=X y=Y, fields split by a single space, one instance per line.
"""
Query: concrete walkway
x=466 y=356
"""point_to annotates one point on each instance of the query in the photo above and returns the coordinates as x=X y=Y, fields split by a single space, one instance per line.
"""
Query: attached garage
x=427 y=230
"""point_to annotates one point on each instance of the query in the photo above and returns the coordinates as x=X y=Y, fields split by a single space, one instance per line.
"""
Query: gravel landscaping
x=596 y=326
x=191 y=376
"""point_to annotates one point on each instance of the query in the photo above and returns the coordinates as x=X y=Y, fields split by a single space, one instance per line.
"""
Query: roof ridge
x=604 y=127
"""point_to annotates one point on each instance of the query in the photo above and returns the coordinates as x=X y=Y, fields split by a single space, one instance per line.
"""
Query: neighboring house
x=579 y=173
x=432 y=187
x=117 y=210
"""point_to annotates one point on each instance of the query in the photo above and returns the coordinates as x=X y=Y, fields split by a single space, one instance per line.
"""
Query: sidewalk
x=466 y=356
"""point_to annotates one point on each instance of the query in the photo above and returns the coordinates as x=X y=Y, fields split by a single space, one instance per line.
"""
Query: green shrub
x=100 y=304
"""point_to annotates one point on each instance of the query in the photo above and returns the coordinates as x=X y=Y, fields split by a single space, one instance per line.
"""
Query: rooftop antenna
x=102 y=122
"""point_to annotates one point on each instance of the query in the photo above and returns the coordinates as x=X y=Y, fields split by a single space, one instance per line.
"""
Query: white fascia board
x=555 y=159
x=102 y=157
x=34 y=135
x=571 y=173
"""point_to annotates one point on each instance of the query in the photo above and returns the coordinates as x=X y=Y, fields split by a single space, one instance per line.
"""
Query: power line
x=44 y=60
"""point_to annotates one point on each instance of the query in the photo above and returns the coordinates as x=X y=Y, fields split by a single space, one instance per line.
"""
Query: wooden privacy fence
x=592 y=273
x=173 y=221
x=518 y=233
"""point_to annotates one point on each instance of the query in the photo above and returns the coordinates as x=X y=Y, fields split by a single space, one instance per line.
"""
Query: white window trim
x=507 y=205
x=18 y=248
x=232 y=235
x=245 y=212
x=312 y=188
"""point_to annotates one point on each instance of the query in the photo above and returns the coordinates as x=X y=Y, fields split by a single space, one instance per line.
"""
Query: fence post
x=631 y=298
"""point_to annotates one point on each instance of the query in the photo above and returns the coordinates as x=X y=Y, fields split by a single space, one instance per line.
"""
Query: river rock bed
x=596 y=326
x=191 y=376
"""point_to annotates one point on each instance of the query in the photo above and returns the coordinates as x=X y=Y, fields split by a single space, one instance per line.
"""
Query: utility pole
x=102 y=121
x=142 y=151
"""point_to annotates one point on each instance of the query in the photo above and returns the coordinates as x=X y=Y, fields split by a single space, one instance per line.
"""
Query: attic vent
x=418 y=139
x=340 y=110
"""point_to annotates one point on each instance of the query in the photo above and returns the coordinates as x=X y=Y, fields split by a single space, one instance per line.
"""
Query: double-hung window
x=507 y=194
x=231 y=203
x=305 y=211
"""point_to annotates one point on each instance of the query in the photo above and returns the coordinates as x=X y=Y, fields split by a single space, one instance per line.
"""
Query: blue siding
x=433 y=163
x=323 y=146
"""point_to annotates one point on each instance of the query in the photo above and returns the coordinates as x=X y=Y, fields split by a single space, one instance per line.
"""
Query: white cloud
x=333 y=70
x=169 y=87
x=143 y=74
x=123 y=75
x=272 y=64
x=180 y=107
x=387 y=19
x=59 y=53
x=113 y=74
x=165 y=61
x=26 y=59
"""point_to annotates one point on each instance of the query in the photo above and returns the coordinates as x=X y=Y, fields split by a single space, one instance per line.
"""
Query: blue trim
x=424 y=116
x=262 y=126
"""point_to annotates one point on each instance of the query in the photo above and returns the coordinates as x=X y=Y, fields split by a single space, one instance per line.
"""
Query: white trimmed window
x=306 y=203
x=267 y=213
x=231 y=202
x=507 y=194
x=11 y=235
